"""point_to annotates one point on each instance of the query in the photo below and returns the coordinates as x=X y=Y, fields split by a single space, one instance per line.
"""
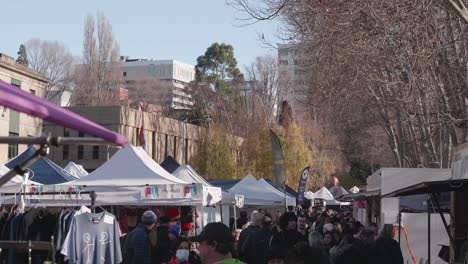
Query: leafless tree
x=397 y=67
x=52 y=59
x=98 y=75
x=152 y=94
x=263 y=88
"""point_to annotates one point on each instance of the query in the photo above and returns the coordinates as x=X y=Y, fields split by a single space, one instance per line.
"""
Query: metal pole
x=235 y=218
x=399 y=227
x=428 y=235
x=21 y=169
x=54 y=141
x=185 y=142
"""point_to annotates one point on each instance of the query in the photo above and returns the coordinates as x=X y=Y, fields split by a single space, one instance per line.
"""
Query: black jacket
x=138 y=246
x=255 y=247
x=285 y=240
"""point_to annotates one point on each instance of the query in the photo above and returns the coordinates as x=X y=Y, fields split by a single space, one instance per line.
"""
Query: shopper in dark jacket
x=387 y=249
x=255 y=223
x=138 y=246
x=288 y=237
x=255 y=248
x=163 y=251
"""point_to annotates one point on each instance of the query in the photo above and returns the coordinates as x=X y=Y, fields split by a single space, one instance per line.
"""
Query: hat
x=175 y=230
x=214 y=231
x=148 y=218
x=173 y=213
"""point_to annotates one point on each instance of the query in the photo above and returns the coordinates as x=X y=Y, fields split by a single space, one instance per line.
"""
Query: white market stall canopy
x=354 y=189
x=260 y=193
x=338 y=191
x=309 y=195
x=211 y=194
x=75 y=170
x=389 y=180
x=131 y=177
x=14 y=184
x=324 y=194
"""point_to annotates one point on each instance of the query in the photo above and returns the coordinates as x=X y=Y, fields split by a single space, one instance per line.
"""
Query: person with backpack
x=137 y=247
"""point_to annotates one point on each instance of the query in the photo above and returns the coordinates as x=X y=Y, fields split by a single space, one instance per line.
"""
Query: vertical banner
x=302 y=185
x=278 y=160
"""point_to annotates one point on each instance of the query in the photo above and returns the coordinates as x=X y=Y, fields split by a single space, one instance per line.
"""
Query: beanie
x=175 y=230
x=173 y=213
x=148 y=218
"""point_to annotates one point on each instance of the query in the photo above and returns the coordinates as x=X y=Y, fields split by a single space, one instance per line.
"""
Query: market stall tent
x=75 y=169
x=131 y=177
x=213 y=195
x=42 y=171
x=260 y=193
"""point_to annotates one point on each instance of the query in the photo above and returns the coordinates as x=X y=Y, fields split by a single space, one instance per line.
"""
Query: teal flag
x=278 y=160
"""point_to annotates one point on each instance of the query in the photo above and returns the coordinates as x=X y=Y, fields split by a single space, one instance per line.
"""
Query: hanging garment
x=93 y=238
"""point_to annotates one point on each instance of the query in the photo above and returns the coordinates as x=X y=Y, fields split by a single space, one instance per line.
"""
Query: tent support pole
x=399 y=227
x=435 y=199
x=235 y=218
x=428 y=232
x=21 y=169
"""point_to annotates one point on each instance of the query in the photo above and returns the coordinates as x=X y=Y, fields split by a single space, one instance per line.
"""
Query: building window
x=33 y=92
x=12 y=148
x=16 y=82
x=80 y=152
x=80 y=134
x=95 y=152
x=66 y=152
x=66 y=133
x=124 y=74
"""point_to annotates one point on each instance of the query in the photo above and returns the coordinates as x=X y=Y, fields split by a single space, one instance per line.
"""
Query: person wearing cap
x=137 y=249
x=216 y=244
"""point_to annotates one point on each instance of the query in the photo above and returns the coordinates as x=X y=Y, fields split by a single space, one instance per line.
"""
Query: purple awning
x=19 y=100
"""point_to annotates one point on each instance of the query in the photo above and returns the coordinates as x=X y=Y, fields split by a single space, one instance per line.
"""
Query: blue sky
x=169 y=29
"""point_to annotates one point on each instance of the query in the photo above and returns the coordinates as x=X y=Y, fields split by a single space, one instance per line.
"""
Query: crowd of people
x=311 y=236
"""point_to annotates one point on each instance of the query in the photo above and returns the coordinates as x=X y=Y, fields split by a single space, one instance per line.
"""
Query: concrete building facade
x=292 y=74
x=13 y=123
x=164 y=136
x=175 y=74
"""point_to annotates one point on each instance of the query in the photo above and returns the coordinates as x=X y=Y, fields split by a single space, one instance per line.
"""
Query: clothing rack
x=92 y=194
x=29 y=246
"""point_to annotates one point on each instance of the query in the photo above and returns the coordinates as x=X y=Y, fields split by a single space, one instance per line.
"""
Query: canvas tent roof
x=42 y=171
x=170 y=164
x=338 y=191
x=260 y=193
x=354 y=189
x=75 y=169
x=324 y=194
x=309 y=195
x=188 y=174
x=130 y=166
x=14 y=184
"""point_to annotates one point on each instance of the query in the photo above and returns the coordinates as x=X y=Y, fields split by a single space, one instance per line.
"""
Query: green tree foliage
x=22 y=56
x=215 y=157
x=218 y=66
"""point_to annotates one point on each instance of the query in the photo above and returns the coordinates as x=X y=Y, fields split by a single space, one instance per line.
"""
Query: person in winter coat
x=289 y=236
x=256 y=219
x=387 y=249
x=255 y=248
x=138 y=246
x=317 y=252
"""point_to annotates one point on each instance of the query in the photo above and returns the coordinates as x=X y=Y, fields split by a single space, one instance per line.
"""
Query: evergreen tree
x=22 y=56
